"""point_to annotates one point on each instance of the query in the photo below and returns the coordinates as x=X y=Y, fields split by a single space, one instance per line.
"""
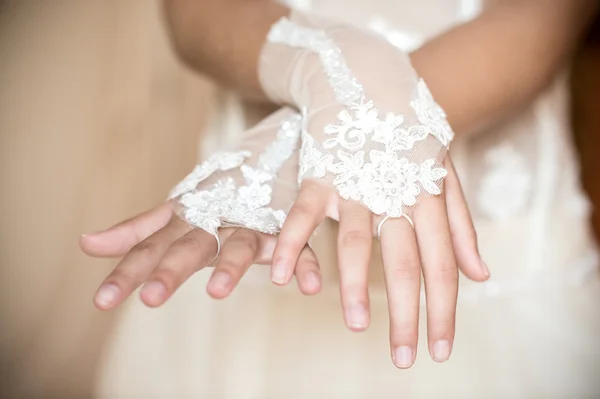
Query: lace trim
x=345 y=86
x=380 y=179
x=226 y=204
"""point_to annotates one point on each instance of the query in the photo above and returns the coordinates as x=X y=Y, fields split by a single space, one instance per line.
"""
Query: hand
x=161 y=251
x=374 y=149
x=249 y=190
x=443 y=239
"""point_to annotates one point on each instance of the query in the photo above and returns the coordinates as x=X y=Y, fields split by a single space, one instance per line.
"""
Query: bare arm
x=223 y=38
x=479 y=72
x=486 y=69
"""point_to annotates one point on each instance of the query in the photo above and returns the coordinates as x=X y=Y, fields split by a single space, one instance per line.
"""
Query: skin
x=521 y=44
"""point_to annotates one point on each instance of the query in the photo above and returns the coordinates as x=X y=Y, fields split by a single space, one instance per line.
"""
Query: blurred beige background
x=97 y=121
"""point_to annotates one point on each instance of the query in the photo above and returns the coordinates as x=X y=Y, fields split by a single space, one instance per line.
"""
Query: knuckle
x=231 y=266
x=144 y=249
x=307 y=264
x=444 y=324
x=447 y=273
x=124 y=278
x=355 y=238
x=303 y=210
x=246 y=242
x=169 y=277
x=188 y=242
x=468 y=235
x=406 y=269
x=403 y=331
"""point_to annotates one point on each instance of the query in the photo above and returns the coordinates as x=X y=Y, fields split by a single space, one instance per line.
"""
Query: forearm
x=489 y=68
x=223 y=38
x=479 y=72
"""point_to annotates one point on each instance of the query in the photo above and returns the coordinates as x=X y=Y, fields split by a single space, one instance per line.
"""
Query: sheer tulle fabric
x=371 y=127
x=252 y=185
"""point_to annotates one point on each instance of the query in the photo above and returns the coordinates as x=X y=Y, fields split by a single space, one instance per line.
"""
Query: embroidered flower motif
x=224 y=203
x=395 y=138
x=388 y=183
x=354 y=127
x=203 y=209
x=254 y=195
x=431 y=114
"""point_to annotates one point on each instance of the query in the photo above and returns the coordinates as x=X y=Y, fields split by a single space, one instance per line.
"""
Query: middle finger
x=355 y=239
x=402 y=270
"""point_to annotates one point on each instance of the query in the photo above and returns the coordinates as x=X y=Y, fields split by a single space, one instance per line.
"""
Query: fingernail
x=441 y=351
x=403 y=356
x=154 y=293
x=278 y=274
x=220 y=280
x=107 y=295
x=357 y=317
x=93 y=233
x=485 y=268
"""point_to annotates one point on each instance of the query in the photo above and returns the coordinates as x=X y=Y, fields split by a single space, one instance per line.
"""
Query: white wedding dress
x=530 y=332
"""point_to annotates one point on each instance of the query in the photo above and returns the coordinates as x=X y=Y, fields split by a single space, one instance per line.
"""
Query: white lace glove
x=252 y=185
x=373 y=130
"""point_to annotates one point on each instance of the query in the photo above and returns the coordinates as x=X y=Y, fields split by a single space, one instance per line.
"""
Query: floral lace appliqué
x=224 y=203
x=368 y=155
x=431 y=114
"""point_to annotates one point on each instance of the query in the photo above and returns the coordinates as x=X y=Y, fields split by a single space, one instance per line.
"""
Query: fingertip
x=219 y=285
x=441 y=350
x=403 y=357
x=310 y=283
x=153 y=294
x=485 y=269
x=107 y=296
x=357 y=317
x=280 y=274
x=477 y=270
x=84 y=244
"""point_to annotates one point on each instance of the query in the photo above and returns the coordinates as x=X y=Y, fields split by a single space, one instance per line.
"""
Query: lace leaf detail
x=431 y=114
x=428 y=177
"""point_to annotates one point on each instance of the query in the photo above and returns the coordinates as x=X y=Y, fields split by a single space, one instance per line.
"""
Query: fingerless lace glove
x=252 y=185
x=371 y=128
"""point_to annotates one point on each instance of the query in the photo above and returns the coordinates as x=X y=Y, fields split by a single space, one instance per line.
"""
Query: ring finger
x=238 y=254
x=355 y=239
x=186 y=255
x=402 y=271
x=139 y=262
